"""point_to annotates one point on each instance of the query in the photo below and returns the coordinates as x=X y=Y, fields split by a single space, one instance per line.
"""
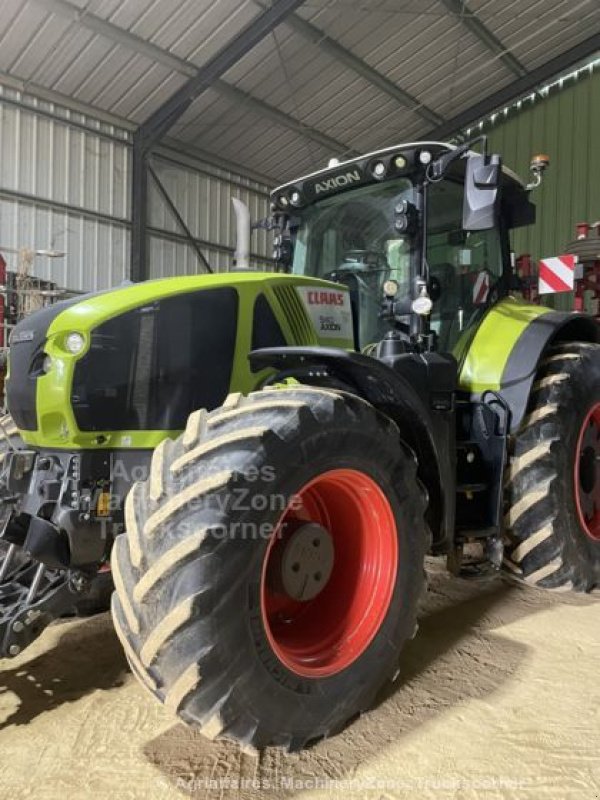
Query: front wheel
x=272 y=565
x=553 y=485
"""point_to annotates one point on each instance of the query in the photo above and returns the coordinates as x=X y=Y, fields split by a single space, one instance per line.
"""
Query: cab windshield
x=350 y=238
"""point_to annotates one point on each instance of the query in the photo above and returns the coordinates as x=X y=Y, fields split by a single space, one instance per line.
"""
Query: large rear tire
x=553 y=483
x=228 y=603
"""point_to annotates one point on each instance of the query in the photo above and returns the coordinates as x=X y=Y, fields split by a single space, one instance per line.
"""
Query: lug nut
x=14 y=649
x=18 y=626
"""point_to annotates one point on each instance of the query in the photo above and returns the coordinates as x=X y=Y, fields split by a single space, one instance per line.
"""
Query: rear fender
x=505 y=352
x=542 y=333
x=391 y=394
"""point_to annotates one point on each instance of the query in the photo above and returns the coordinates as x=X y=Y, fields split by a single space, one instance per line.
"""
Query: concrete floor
x=499 y=698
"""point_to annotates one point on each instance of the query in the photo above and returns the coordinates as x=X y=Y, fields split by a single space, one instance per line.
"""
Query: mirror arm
x=437 y=168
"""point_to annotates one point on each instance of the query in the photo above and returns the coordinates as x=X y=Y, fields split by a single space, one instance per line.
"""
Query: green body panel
x=56 y=422
x=490 y=347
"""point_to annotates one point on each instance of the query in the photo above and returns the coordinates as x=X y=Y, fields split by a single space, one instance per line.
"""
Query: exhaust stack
x=242 y=245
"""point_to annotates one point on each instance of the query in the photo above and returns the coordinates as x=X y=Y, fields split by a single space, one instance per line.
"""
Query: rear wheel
x=272 y=565
x=553 y=485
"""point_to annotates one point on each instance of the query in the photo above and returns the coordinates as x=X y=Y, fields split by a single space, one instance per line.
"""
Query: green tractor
x=266 y=458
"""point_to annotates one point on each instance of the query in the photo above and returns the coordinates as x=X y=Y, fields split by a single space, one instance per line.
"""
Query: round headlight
x=379 y=169
x=425 y=157
x=390 y=288
x=75 y=343
x=46 y=364
x=422 y=305
x=295 y=198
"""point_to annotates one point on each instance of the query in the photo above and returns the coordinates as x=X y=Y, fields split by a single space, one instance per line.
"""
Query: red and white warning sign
x=481 y=288
x=557 y=274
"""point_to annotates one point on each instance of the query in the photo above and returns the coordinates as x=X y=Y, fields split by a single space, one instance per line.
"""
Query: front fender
x=394 y=396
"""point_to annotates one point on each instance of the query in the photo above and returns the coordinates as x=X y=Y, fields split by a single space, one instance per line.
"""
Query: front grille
x=293 y=310
x=26 y=347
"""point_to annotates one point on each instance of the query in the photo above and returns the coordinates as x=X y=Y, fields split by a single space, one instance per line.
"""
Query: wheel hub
x=305 y=562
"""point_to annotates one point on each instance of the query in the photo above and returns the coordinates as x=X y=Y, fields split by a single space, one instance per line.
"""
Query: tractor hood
x=118 y=369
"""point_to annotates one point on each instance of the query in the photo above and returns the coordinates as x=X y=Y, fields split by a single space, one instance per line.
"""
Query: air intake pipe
x=242 y=245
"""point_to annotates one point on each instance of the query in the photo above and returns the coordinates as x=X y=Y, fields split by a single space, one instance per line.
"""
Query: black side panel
x=26 y=346
x=521 y=368
x=149 y=368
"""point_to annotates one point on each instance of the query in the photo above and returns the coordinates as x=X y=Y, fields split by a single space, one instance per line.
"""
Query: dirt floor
x=499 y=697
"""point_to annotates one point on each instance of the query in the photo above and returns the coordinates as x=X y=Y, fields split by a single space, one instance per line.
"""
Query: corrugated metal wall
x=204 y=201
x=564 y=122
x=65 y=186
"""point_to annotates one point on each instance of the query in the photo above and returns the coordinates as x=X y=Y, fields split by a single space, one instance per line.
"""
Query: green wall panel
x=566 y=126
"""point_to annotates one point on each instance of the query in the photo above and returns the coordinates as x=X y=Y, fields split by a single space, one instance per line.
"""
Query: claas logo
x=325 y=298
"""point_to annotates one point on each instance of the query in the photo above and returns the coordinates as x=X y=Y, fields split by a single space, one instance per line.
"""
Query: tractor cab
x=415 y=224
x=419 y=233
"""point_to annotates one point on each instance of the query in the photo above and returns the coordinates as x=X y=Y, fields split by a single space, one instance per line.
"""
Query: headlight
x=75 y=343
x=378 y=169
x=47 y=364
x=390 y=288
x=422 y=305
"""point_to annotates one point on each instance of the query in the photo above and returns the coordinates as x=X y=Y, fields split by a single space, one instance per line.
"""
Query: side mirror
x=481 y=196
x=434 y=288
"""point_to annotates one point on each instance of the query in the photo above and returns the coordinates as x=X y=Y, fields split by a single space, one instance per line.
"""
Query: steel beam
x=98 y=216
x=71 y=123
x=162 y=120
x=112 y=32
x=158 y=123
x=136 y=44
x=62 y=208
x=531 y=81
x=186 y=156
x=170 y=149
x=139 y=210
x=239 y=97
x=313 y=34
x=179 y=219
x=471 y=21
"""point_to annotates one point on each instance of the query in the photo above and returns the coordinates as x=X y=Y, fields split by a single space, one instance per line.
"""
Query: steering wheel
x=361 y=263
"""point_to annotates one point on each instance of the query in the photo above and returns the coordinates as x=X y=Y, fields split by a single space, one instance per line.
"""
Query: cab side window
x=465 y=265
